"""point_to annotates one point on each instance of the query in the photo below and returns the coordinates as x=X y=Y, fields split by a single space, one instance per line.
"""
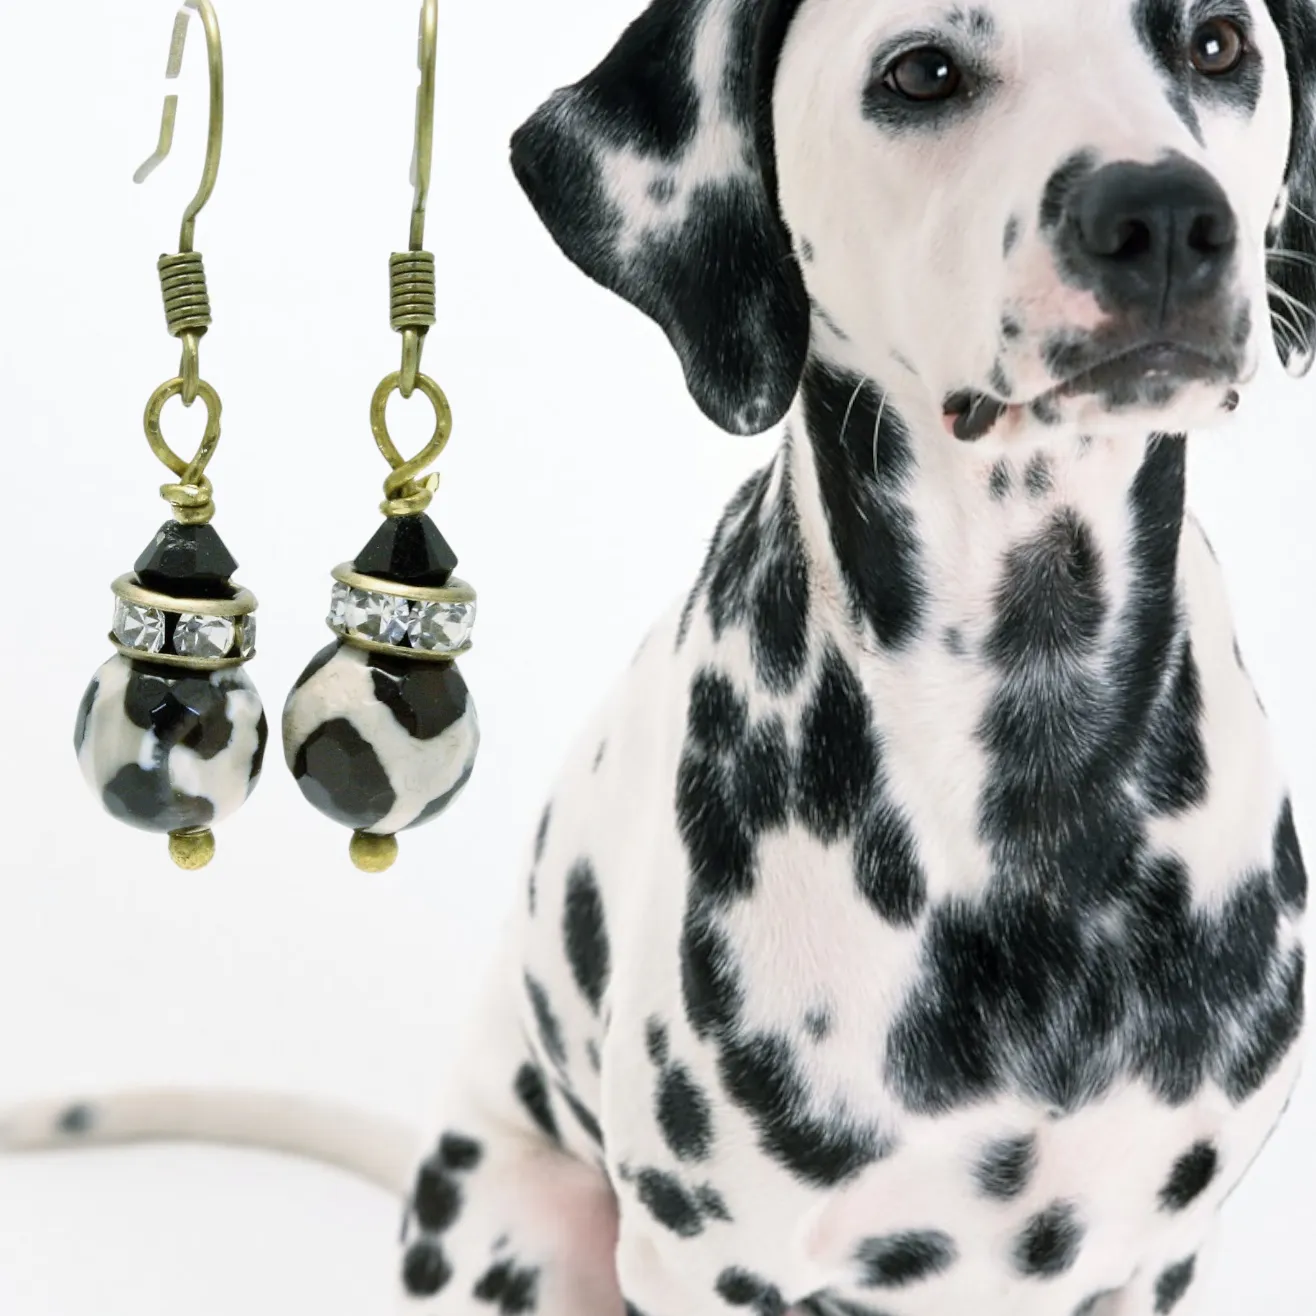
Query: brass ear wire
x=413 y=305
x=414 y=296
x=183 y=276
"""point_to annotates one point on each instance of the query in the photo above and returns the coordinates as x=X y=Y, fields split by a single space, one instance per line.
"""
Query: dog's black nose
x=1152 y=237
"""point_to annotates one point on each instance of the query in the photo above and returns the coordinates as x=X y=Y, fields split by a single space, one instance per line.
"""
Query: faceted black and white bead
x=380 y=743
x=168 y=749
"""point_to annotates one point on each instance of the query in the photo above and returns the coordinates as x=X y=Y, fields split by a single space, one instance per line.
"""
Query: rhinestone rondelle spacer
x=430 y=628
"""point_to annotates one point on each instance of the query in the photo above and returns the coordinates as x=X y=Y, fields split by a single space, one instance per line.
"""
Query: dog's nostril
x=1134 y=239
x=1212 y=232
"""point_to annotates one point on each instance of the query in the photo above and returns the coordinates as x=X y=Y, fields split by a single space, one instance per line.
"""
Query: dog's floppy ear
x=1292 y=238
x=655 y=174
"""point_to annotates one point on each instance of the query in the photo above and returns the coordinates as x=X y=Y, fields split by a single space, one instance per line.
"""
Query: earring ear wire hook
x=422 y=160
x=169 y=117
x=414 y=295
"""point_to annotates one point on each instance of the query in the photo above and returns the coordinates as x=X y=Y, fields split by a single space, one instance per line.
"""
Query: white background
x=579 y=490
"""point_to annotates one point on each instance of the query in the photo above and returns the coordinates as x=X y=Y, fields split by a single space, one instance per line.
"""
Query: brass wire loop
x=192 y=497
x=404 y=493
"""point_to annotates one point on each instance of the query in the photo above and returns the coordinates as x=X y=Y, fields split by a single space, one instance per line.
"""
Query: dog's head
x=1078 y=209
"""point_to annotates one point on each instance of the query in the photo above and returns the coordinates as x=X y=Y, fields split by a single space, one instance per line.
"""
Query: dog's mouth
x=1146 y=371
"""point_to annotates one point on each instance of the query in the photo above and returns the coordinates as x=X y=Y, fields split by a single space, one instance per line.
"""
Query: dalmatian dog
x=917 y=930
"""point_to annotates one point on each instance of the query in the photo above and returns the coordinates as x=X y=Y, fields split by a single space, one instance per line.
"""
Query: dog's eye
x=926 y=74
x=1218 y=47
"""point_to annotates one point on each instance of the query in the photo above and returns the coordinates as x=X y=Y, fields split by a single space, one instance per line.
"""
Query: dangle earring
x=380 y=731
x=171 y=733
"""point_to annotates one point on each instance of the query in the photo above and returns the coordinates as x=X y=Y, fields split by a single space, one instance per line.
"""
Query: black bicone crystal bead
x=409 y=550
x=187 y=561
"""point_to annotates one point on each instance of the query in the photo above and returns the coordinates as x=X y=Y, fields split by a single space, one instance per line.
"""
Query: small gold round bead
x=192 y=850
x=373 y=854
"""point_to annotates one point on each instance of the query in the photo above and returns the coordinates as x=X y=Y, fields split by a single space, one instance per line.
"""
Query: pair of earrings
x=379 y=731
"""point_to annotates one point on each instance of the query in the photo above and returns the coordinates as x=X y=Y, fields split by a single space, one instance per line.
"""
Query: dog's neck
x=1020 y=609
x=927 y=534
x=1040 y=589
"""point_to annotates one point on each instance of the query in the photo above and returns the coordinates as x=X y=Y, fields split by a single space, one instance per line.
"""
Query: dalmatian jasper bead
x=168 y=749
x=380 y=743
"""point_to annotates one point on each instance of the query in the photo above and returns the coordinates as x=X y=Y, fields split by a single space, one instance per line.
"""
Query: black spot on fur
x=1192 y=1175
x=550 y=1030
x=1011 y=329
x=953 y=639
x=1050 y=1242
x=709 y=979
x=732 y=785
x=818 y=1024
x=532 y=1092
x=513 y=1289
x=684 y=1114
x=425 y=1269
x=583 y=1116
x=864 y=458
x=75 y=1121
x=670 y=1204
x=655 y=1041
x=887 y=870
x=838 y=759
x=898 y=1260
x=1039 y=479
x=1173 y=1284
x=757 y=576
x=459 y=1153
x=741 y=1288
x=1290 y=872
x=761 y=1075
x=437 y=1198
x=598 y=755
x=585 y=934
x=1000 y=481
x=1174 y=777
x=1006 y=1168
x=1011 y=238
x=1276 y=1015
x=541 y=832
x=712 y=1204
x=806 y=251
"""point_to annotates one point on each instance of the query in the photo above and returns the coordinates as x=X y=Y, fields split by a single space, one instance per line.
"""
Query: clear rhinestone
x=247 y=645
x=338 y=605
x=441 y=627
x=198 y=636
x=381 y=617
x=141 y=628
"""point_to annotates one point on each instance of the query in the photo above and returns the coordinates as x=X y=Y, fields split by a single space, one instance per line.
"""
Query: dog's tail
x=375 y=1148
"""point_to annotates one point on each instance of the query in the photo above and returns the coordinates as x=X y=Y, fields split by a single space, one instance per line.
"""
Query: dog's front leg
x=505 y=1219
